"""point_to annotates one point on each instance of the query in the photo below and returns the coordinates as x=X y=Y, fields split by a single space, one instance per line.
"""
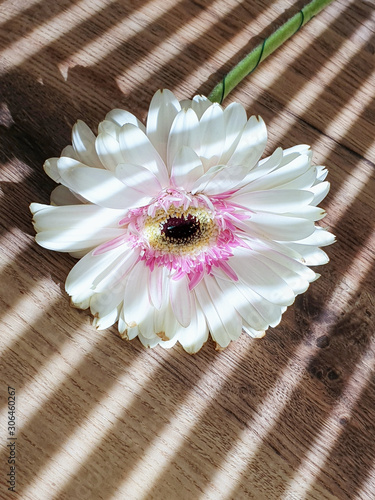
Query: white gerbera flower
x=181 y=229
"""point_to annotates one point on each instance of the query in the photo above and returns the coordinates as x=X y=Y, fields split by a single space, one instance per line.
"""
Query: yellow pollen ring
x=194 y=244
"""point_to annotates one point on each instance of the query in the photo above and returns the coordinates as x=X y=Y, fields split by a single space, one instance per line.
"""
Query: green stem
x=263 y=50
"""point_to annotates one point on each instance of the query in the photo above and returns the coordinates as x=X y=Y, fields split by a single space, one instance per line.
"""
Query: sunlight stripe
x=51 y=31
x=228 y=475
x=45 y=382
x=230 y=472
x=239 y=45
x=11 y=251
x=367 y=489
x=87 y=437
x=307 y=95
x=351 y=187
x=162 y=450
x=134 y=24
x=320 y=449
x=359 y=102
x=362 y=264
x=266 y=72
x=10 y=10
x=28 y=305
x=170 y=47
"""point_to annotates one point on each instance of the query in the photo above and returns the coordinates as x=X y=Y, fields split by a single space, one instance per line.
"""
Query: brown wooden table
x=290 y=416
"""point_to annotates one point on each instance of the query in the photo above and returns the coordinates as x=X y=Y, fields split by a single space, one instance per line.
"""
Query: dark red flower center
x=181 y=229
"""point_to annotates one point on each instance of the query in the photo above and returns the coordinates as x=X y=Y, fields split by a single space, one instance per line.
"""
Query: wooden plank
x=290 y=416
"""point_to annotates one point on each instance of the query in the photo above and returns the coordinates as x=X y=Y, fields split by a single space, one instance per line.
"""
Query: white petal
x=223 y=320
x=294 y=280
x=304 y=181
x=297 y=150
x=165 y=323
x=83 y=274
x=37 y=207
x=122 y=326
x=320 y=192
x=184 y=132
x=275 y=200
x=320 y=238
x=50 y=168
x=149 y=343
x=73 y=240
x=103 y=322
x=239 y=301
x=138 y=150
x=146 y=326
x=212 y=134
x=138 y=178
x=216 y=327
x=109 y=151
x=200 y=104
x=136 y=299
x=170 y=325
x=224 y=179
x=133 y=331
x=263 y=168
x=80 y=253
x=163 y=109
x=200 y=184
x=61 y=195
x=110 y=128
x=83 y=141
x=102 y=304
x=195 y=335
x=115 y=275
x=253 y=333
x=70 y=152
x=159 y=317
x=158 y=286
x=260 y=277
x=251 y=144
x=167 y=344
x=271 y=313
x=186 y=168
x=273 y=251
x=87 y=218
x=186 y=104
x=322 y=173
x=181 y=300
x=269 y=246
x=120 y=117
x=82 y=300
x=99 y=186
x=313 y=256
x=234 y=122
x=282 y=174
x=309 y=212
x=278 y=227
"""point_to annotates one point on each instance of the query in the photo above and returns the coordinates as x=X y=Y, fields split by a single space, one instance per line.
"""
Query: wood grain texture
x=290 y=416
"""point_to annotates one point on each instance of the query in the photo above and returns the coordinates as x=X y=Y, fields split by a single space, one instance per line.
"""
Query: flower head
x=180 y=228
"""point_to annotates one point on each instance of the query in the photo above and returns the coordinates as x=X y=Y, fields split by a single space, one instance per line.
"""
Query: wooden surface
x=291 y=416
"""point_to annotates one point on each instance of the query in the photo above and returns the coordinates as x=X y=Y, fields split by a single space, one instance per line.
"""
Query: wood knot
x=322 y=342
x=333 y=374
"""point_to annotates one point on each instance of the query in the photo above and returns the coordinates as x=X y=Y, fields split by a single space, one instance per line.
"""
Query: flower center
x=181 y=229
x=178 y=231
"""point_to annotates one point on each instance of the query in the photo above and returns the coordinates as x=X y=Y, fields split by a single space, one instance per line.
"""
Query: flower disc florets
x=181 y=229
x=186 y=234
x=180 y=232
